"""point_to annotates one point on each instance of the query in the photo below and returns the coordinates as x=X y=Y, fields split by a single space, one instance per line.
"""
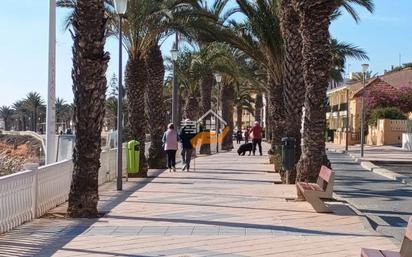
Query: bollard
x=288 y=155
x=35 y=188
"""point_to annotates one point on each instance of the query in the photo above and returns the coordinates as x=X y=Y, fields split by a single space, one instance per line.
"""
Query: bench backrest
x=406 y=248
x=325 y=177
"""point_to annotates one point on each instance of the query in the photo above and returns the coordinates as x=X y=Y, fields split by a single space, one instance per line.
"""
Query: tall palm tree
x=90 y=63
x=205 y=63
x=315 y=17
x=155 y=107
x=340 y=52
x=64 y=112
x=242 y=101
x=6 y=113
x=21 y=114
x=294 y=84
x=34 y=103
x=227 y=96
x=189 y=83
x=111 y=112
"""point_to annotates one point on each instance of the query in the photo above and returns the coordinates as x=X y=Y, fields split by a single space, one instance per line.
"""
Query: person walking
x=187 y=133
x=170 y=141
x=238 y=136
x=256 y=134
x=247 y=135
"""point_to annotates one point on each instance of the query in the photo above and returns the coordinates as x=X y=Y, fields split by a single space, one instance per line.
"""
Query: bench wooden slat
x=325 y=173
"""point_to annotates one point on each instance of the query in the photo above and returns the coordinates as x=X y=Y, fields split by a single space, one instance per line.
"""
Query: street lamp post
x=218 y=78
x=362 y=135
x=51 y=89
x=347 y=120
x=120 y=7
x=175 y=52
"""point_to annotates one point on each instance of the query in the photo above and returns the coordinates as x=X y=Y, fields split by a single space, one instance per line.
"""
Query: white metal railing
x=30 y=194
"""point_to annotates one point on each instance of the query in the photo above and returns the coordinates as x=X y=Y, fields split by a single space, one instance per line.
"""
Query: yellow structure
x=342 y=103
x=346 y=100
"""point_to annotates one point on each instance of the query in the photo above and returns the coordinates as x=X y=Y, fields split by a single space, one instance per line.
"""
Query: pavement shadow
x=274 y=228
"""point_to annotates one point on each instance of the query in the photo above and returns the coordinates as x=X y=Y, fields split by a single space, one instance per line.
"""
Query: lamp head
x=365 y=67
x=120 y=6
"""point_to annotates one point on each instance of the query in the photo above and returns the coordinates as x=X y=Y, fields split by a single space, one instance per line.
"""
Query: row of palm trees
x=29 y=112
x=280 y=49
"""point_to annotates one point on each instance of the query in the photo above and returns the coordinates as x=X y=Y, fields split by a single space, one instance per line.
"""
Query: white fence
x=30 y=194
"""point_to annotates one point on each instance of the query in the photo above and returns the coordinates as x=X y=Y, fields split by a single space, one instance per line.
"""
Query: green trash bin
x=133 y=158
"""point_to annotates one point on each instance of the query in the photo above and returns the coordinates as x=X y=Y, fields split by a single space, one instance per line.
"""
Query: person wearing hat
x=256 y=134
x=170 y=141
x=187 y=133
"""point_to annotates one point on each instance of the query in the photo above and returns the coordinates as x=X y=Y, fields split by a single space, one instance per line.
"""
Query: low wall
x=30 y=194
x=386 y=132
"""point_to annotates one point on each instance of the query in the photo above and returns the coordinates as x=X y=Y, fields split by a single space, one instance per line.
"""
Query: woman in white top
x=170 y=141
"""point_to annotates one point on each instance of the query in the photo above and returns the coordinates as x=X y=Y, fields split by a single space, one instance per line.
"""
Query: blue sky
x=24 y=44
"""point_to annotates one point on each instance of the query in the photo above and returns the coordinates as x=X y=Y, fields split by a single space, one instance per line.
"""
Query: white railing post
x=35 y=186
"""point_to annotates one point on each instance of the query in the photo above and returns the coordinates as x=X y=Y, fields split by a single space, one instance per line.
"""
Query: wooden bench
x=322 y=189
x=406 y=248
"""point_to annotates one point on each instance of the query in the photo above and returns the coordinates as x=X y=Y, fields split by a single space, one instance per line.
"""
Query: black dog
x=245 y=148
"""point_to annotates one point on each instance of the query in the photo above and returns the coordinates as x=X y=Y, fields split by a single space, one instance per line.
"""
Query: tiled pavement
x=229 y=206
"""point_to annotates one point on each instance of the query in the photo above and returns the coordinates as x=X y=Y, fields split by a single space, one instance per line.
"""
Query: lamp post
x=218 y=78
x=174 y=53
x=347 y=120
x=51 y=88
x=120 y=8
x=362 y=135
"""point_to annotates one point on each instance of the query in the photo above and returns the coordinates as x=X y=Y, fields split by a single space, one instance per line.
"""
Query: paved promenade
x=386 y=203
x=228 y=207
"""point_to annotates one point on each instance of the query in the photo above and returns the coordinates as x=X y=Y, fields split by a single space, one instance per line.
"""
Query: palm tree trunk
x=258 y=107
x=206 y=105
x=155 y=107
x=89 y=85
x=276 y=113
x=315 y=21
x=294 y=92
x=239 y=111
x=192 y=108
x=228 y=102
x=136 y=80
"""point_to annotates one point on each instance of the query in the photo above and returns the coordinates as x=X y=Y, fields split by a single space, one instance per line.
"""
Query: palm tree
x=111 y=112
x=189 y=83
x=315 y=17
x=6 y=113
x=242 y=101
x=34 y=103
x=21 y=114
x=340 y=52
x=205 y=63
x=89 y=85
x=155 y=107
x=294 y=84
x=64 y=112
x=227 y=96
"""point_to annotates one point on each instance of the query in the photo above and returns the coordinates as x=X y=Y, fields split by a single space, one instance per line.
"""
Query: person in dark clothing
x=187 y=133
x=247 y=135
x=256 y=134
x=239 y=136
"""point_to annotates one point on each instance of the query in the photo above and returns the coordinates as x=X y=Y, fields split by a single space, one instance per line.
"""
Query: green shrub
x=392 y=113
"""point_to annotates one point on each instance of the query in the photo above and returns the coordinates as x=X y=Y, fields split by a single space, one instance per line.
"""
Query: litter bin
x=288 y=153
x=133 y=157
